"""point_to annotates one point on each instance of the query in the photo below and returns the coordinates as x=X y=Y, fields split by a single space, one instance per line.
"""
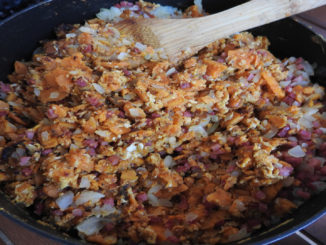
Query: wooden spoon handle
x=249 y=15
x=198 y=32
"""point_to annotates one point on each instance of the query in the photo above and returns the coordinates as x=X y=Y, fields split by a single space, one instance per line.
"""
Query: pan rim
x=17 y=14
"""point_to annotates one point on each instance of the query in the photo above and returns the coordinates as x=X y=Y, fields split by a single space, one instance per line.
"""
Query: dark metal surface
x=9 y=7
x=21 y=33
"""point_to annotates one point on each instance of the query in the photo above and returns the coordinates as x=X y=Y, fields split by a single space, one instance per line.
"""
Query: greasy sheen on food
x=101 y=134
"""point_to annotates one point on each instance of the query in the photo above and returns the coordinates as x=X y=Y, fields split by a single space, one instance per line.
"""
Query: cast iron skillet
x=21 y=33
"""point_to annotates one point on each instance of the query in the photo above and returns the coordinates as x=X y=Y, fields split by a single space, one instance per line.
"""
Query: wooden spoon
x=181 y=38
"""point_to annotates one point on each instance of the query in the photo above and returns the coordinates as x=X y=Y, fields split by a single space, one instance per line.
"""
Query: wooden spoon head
x=157 y=33
x=140 y=29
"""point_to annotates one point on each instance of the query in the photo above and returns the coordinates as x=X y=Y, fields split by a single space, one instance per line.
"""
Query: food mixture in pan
x=101 y=134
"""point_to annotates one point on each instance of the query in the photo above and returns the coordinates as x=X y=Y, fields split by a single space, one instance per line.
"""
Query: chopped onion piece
x=37 y=92
x=65 y=200
x=199 y=5
x=169 y=162
x=239 y=235
x=213 y=128
x=140 y=46
x=91 y=225
x=54 y=95
x=135 y=112
x=122 y=55
x=109 y=14
x=98 y=88
x=296 y=152
x=103 y=211
x=283 y=84
x=91 y=196
x=132 y=147
x=103 y=133
x=198 y=129
x=70 y=35
x=271 y=133
x=323 y=130
x=154 y=201
x=205 y=121
x=302 y=83
x=190 y=217
x=87 y=30
x=84 y=182
x=45 y=135
x=171 y=71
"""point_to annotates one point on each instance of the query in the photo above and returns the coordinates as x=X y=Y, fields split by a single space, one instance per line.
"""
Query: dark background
x=8 y=7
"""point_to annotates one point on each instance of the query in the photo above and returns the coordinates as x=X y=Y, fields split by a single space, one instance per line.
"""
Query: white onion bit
x=91 y=196
x=190 y=217
x=154 y=201
x=54 y=95
x=199 y=130
x=296 y=152
x=98 y=88
x=171 y=71
x=103 y=211
x=45 y=135
x=87 y=30
x=169 y=162
x=140 y=46
x=91 y=226
x=84 y=182
x=109 y=14
x=65 y=200
x=271 y=133
x=122 y=55
x=37 y=92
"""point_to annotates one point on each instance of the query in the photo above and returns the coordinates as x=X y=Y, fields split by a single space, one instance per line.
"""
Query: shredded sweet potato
x=273 y=85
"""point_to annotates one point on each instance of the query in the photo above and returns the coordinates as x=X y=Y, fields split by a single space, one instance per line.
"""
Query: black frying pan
x=20 y=35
